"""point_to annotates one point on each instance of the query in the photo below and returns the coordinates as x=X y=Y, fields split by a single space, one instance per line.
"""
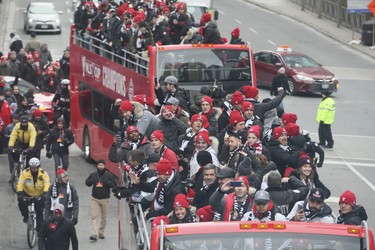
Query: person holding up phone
x=233 y=206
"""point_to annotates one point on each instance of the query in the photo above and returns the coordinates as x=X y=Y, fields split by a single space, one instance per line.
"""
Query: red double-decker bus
x=99 y=76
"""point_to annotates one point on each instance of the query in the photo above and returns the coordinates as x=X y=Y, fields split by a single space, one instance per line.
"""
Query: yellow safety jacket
x=25 y=136
x=26 y=183
x=326 y=111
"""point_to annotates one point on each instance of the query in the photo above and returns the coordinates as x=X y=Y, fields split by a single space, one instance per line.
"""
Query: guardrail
x=336 y=11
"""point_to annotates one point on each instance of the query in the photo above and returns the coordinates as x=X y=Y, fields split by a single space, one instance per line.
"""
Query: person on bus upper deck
x=234 y=206
x=211 y=33
x=157 y=144
x=235 y=104
x=212 y=114
x=171 y=126
x=172 y=89
x=111 y=29
x=181 y=212
x=235 y=37
x=141 y=40
x=250 y=118
x=179 y=22
x=58 y=142
x=168 y=186
x=61 y=102
x=252 y=95
x=350 y=212
x=178 y=111
x=144 y=119
x=119 y=152
x=314 y=209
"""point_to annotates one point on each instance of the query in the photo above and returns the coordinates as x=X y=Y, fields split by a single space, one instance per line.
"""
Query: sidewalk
x=322 y=25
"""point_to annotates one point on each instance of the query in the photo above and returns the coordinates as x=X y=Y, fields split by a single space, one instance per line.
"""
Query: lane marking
x=221 y=12
x=350 y=158
x=274 y=44
x=371 y=165
x=237 y=21
x=67 y=2
x=361 y=176
x=68 y=10
x=71 y=20
x=342 y=135
x=253 y=30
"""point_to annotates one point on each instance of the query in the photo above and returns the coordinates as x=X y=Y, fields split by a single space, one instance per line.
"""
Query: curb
x=316 y=28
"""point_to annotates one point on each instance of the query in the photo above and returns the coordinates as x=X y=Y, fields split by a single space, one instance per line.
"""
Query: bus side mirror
x=216 y=15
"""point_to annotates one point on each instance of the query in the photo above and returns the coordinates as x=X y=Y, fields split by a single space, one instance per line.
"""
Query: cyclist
x=33 y=182
x=23 y=137
x=61 y=102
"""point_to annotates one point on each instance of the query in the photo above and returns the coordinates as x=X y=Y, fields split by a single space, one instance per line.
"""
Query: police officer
x=61 y=102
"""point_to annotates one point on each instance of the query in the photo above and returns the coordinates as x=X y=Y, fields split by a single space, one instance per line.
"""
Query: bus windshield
x=193 y=67
x=261 y=241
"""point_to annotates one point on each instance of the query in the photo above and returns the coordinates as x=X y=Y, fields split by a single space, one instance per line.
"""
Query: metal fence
x=336 y=11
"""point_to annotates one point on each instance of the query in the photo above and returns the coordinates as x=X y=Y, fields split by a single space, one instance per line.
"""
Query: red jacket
x=5 y=113
x=171 y=157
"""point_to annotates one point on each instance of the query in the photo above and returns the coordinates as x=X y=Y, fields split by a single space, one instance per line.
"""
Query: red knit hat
x=289 y=118
x=244 y=179
x=236 y=32
x=235 y=117
x=60 y=172
x=180 y=201
x=206 y=213
x=126 y=106
x=237 y=98
x=37 y=112
x=180 y=6
x=166 y=9
x=292 y=129
x=247 y=106
x=250 y=91
x=157 y=220
x=349 y=198
x=207 y=99
x=167 y=107
x=196 y=117
x=131 y=129
x=157 y=134
x=206 y=17
x=164 y=167
x=29 y=56
x=255 y=129
x=203 y=135
x=303 y=160
x=277 y=132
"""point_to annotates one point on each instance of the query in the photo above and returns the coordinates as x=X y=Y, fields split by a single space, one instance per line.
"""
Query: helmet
x=65 y=81
x=34 y=162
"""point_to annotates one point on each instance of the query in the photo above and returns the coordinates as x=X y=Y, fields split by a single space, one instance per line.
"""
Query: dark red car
x=304 y=74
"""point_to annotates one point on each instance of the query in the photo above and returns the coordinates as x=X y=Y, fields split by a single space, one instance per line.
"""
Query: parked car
x=42 y=17
x=42 y=99
x=303 y=73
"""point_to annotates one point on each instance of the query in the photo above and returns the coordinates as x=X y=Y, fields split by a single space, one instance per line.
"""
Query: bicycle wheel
x=31 y=232
x=14 y=177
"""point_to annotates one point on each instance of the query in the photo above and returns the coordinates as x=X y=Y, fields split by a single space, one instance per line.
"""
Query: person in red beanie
x=235 y=104
x=260 y=108
x=248 y=114
x=167 y=187
x=288 y=118
x=211 y=33
x=42 y=129
x=210 y=113
x=180 y=22
x=254 y=143
x=233 y=206
x=236 y=126
x=205 y=213
x=235 y=37
x=181 y=212
x=157 y=144
x=350 y=212
x=157 y=221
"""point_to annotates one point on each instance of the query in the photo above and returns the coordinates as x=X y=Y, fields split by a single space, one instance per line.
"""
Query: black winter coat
x=316 y=181
x=58 y=141
x=211 y=34
x=58 y=239
x=29 y=73
x=172 y=129
x=102 y=182
x=353 y=218
x=41 y=125
x=202 y=196
x=261 y=108
x=283 y=158
x=280 y=80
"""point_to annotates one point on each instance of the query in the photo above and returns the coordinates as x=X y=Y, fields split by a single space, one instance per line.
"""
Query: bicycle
x=18 y=168
x=31 y=223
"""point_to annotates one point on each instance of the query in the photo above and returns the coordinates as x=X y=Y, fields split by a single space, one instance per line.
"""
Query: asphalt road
x=348 y=166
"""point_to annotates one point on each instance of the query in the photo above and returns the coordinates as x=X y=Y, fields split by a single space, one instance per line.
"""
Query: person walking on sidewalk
x=101 y=181
x=325 y=117
x=57 y=232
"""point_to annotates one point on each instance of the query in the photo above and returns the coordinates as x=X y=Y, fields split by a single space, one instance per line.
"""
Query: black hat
x=142 y=24
x=203 y=158
x=226 y=173
x=316 y=194
x=244 y=169
x=24 y=119
x=101 y=161
x=153 y=158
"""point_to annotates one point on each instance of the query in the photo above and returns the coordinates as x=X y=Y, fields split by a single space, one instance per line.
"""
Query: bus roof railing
x=129 y=60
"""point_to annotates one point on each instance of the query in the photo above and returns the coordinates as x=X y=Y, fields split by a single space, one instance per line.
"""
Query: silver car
x=42 y=17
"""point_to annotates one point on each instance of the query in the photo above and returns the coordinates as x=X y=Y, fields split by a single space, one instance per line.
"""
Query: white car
x=42 y=17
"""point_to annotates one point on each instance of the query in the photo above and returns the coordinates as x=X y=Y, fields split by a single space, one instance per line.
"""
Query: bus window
x=85 y=100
